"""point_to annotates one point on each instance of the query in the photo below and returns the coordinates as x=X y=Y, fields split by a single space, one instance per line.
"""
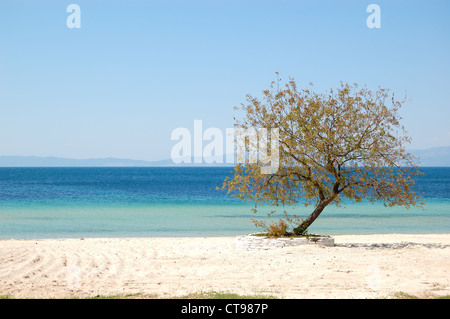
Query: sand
x=359 y=266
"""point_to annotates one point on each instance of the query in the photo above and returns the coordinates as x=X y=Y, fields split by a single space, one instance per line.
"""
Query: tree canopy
x=347 y=142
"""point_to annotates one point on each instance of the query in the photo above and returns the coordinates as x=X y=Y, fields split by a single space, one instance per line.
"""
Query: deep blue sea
x=182 y=201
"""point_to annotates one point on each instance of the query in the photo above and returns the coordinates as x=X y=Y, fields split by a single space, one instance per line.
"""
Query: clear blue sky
x=136 y=70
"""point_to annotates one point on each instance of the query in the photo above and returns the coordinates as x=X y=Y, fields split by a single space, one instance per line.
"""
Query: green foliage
x=301 y=230
x=404 y=295
x=224 y=295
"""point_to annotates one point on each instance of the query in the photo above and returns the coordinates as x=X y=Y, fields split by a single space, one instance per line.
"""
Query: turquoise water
x=142 y=202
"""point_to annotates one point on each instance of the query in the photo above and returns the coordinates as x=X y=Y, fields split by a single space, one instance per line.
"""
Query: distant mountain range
x=35 y=161
x=436 y=156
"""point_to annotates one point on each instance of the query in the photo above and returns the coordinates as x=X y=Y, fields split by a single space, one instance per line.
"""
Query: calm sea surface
x=151 y=201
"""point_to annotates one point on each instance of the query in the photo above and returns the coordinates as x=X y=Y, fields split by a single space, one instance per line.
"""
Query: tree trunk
x=311 y=218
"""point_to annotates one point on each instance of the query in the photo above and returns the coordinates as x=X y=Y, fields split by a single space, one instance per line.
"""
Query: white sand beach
x=359 y=266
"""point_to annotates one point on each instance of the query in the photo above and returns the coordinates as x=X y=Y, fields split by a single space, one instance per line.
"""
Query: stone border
x=250 y=242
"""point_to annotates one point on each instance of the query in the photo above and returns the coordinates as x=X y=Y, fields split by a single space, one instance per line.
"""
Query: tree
x=347 y=142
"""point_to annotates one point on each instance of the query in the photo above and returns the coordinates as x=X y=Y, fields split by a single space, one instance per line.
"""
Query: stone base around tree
x=253 y=241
